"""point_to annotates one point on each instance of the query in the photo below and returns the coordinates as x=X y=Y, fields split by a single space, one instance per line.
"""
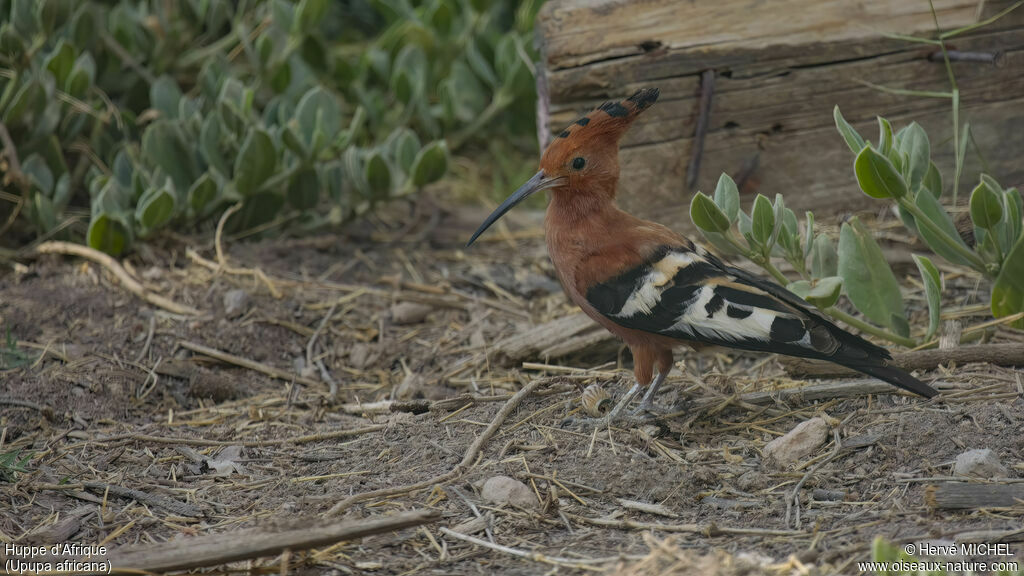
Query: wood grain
x=782 y=67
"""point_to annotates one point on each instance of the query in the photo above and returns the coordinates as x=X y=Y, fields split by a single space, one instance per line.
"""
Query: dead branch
x=965 y=495
x=461 y=468
x=247 y=363
x=309 y=438
x=115 y=268
x=217 y=549
x=530 y=343
x=173 y=506
x=1011 y=354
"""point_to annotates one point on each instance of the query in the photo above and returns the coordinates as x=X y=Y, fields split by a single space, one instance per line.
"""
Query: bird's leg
x=647 y=403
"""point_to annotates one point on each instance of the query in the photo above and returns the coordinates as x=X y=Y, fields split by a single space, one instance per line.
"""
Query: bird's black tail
x=897 y=377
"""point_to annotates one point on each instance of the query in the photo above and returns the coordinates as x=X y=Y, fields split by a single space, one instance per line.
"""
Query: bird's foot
x=607 y=421
x=648 y=408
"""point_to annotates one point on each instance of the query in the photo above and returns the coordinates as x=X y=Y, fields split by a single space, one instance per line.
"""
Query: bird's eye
x=578 y=163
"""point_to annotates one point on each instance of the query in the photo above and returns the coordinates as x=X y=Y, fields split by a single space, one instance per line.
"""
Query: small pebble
x=797 y=444
x=982 y=463
x=409 y=313
x=505 y=490
x=236 y=302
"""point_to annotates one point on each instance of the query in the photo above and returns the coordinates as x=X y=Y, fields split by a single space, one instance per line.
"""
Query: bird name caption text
x=962 y=558
x=65 y=558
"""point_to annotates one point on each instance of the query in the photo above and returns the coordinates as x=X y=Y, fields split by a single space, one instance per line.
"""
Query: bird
x=654 y=288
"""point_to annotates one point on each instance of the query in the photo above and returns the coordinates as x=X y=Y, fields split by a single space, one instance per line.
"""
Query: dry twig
x=115 y=268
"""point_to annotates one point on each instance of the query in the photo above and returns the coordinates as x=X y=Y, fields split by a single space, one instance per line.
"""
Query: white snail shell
x=595 y=400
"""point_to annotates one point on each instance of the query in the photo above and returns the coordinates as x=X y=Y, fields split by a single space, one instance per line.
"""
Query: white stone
x=505 y=490
x=797 y=444
x=980 y=462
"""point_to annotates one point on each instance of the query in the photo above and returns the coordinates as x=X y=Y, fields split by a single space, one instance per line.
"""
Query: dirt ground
x=104 y=391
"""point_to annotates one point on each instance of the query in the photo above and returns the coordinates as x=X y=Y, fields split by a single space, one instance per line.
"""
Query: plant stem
x=502 y=100
x=870 y=329
x=976 y=262
x=775 y=272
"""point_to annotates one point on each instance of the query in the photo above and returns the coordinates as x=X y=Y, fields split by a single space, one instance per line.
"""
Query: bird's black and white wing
x=686 y=293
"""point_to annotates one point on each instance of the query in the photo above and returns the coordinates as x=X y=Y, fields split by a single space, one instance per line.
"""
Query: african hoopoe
x=654 y=288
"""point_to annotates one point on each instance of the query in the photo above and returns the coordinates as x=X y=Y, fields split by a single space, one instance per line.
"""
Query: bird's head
x=583 y=159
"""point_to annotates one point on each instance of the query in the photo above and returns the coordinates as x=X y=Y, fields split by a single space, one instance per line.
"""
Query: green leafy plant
x=155 y=114
x=11 y=356
x=12 y=463
x=898 y=169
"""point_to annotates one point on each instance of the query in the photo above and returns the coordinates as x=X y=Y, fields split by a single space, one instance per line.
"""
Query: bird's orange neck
x=575 y=208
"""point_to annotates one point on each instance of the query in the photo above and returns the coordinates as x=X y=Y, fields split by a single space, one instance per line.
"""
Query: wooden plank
x=580 y=32
x=782 y=67
x=964 y=496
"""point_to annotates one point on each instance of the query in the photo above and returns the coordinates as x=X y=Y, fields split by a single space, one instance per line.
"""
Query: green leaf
x=39 y=173
x=914 y=146
x=933 y=180
x=201 y=194
x=405 y=147
x=256 y=162
x=937 y=214
x=209 y=145
x=1010 y=227
x=877 y=176
x=164 y=144
x=707 y=215
x=60 y=61
x=885 y=136
x=430 y=164
x=304 y=189
x=164 y=96
x=108 y=233
x=1008 y=291
x=762 y=218
x=43 y=213
x=809 y=234
x=986 y=206
x=480 y=64
x=317 y=111
x=257 y=209
x=932 y=291
x=81 y=77
x=824 y=259
x=26 y=101
x=727 y=197
x=281 y=77
x=823 y=292
x=309 y=15
x=719 y=241
x=155 y=208
x=852 y=138
x=378 y=175
x=869 y=281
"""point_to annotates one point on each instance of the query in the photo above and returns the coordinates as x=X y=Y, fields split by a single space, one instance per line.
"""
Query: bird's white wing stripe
x=647 y=294
x=695 y=320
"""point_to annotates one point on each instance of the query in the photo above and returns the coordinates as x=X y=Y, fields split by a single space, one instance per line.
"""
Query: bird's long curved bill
x=536 y=183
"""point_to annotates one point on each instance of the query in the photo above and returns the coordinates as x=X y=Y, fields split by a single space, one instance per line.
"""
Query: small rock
x=982 y=463
x=236 y=302
x=505 y=490
x=409 y=313
x=797 y=443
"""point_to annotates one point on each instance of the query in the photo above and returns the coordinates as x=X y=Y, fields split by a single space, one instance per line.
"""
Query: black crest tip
x=644 y=97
